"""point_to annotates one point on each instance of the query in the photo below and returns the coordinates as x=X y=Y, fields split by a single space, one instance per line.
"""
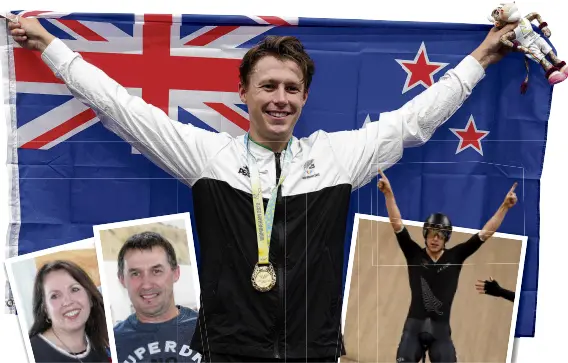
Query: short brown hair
x=283 y=48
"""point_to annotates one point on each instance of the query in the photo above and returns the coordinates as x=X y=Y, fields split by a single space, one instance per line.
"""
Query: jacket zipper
x=279 y=261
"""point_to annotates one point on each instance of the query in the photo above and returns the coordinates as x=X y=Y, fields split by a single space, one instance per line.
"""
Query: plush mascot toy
x=524 y=39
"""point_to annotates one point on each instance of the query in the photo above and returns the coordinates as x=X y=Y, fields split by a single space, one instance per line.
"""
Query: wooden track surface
x=379 y=297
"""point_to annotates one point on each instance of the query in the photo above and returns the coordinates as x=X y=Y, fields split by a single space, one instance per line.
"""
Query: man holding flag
x=270 y=281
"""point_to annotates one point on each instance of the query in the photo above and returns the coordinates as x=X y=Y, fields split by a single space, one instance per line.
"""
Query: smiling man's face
x=149 y=280
x=275 y=95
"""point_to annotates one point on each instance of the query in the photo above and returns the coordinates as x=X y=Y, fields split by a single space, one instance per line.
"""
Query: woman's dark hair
x=95 y=328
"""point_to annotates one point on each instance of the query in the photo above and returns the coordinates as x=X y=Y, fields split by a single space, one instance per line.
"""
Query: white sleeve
x=181 y=150
x=381 y=143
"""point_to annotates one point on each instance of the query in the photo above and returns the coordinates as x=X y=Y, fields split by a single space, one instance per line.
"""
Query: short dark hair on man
x=146 y=241
x=283 y=48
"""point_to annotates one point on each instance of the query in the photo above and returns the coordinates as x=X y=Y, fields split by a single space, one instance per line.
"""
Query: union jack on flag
x=69 y=173
x=187 y=70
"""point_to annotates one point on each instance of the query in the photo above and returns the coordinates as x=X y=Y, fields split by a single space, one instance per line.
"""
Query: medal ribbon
x=264 y=221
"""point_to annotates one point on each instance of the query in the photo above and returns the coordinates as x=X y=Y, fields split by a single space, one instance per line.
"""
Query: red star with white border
x=470 y=136
x=420 y=71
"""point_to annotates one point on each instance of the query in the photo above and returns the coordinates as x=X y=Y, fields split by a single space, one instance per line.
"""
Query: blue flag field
x=69 y=173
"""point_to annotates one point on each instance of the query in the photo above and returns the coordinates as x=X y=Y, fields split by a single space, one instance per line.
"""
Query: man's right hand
x=511 y=197
x=29 y=33
x=384 y=184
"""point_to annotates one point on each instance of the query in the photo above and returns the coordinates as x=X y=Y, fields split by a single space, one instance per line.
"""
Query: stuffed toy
x=524 y=39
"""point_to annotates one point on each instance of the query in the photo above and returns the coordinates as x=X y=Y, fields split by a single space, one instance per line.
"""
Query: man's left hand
x=491 y=50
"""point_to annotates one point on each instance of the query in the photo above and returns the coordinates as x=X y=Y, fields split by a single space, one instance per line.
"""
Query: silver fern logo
x=431 y=302
x=310 y=169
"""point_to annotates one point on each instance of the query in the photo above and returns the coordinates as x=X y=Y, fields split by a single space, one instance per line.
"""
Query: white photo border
x=88 y=243
x=136 y=222
x=522 y=239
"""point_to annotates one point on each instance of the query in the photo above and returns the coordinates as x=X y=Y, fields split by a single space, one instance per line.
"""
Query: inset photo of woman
x=57 y=292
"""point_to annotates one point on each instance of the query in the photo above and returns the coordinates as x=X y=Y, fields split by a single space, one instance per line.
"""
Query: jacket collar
x=262 y=152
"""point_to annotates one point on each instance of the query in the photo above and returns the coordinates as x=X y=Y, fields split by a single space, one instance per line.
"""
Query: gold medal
x=263 y=277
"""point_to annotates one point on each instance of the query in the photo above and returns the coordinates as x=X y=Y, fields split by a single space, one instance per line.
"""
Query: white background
x=551 y=316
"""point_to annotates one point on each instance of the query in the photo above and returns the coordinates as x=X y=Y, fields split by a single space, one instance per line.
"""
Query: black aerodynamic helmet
x=438 y=221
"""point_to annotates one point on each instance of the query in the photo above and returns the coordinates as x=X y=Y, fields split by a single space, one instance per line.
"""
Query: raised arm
x=381 y=143
x=495 y=222
x=542 y=25
x=392 y=209
x=534 y=15
x=422 y=115
x=181 y=150
x=407 y=245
